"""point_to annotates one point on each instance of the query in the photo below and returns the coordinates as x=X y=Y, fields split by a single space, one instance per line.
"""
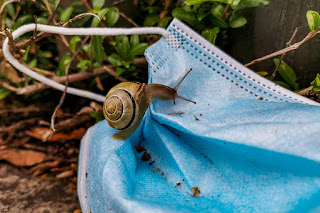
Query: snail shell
x=123 y=108
x=127 y=102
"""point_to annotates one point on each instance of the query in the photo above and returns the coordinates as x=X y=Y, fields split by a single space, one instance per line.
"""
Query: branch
x=5 y=4
x=52 y=12
x=285 y=50
x=282 y=56
x=67 y=82
x=305 y=91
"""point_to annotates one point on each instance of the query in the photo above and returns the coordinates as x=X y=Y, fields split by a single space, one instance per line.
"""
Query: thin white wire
x=71 y=31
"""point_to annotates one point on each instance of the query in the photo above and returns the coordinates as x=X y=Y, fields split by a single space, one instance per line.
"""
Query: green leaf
x=217 y=10
x=235 y=3
x=65 y=15
x=97 y=115
x=98 y=4
x=210 y=34
x=313 y=20
x=164 y=22
x=22 y=20
x=41 y=20
x=138 y=49
x=204 y=11
x=316 y=82
x=134 y=40
x=238 y=22
x=218 y=22
x=262 y=73
x=115 y=59
x=193 y=2
x=120 y=71
x=287 y=73
x=62 y=64
x=112 y=16
x=33 y=62
x=97 y=49
x=101 y=14
x=248 y=3
x=4 y=93
x=188 y=17
x=26 y=54
x=151 y=20
x=73 y=43
x=84 y=64
x=11 y=10
x=283 y=84
x=124 y=48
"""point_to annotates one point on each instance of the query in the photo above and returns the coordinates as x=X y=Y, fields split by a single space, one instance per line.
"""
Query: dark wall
x=269 y=28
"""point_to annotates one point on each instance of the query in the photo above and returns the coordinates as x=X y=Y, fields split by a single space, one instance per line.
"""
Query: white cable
x=71 y=31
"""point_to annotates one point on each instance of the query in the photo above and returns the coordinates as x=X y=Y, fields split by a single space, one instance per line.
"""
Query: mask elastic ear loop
x=74 y=31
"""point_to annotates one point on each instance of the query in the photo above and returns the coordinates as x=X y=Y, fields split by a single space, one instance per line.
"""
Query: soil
x=21 y=192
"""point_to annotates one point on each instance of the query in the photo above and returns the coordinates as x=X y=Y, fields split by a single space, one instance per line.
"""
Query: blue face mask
x=248 y=145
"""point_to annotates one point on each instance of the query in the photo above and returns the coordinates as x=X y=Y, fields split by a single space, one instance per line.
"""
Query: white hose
x=71 y=31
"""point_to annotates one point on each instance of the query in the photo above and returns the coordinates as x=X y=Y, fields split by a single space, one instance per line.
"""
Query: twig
x=117 y=2
x=12 y=44
x=225 y=11
x=35 y=30
x=9 y=87
x=165 y=10
x=282 y=56
x=18 y=125
x=79 y=17
x=287 y=49
x=86 y=4
x=127 y=18
x=67 y=82
x=72 y=78
x=53 y=12
x=27 y=109
x=5 y=4
x=305 y=91
x=72 y=122
x=113 y=73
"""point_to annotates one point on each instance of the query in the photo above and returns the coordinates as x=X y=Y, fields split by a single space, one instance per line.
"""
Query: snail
x=127 y=102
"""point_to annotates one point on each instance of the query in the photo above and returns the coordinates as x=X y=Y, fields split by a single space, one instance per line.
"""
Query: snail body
x=127 y=102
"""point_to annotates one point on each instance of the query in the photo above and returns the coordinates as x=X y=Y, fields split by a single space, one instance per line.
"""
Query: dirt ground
x=21 y=192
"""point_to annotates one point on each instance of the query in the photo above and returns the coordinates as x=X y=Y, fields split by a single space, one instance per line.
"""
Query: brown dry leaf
x=77 y=211
x=97 y=107
x=195 y=191
x=20 y=157
x=10 y=73
x=155 y=170
x=42 y=167
x=85 y=110
x=42 y=133
x=65 y=174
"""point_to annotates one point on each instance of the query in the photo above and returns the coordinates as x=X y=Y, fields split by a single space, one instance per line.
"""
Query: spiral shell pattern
x=120 y=108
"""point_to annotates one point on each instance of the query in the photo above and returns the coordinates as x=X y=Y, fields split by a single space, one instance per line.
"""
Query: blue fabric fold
x=247 y=146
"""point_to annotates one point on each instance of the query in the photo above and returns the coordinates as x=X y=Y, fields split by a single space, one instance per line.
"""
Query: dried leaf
x=146 y=156
x=155 y=170
x=42 y=167
x=85 y=110
x=10 y=73
x=140 y=148
x=77 y=211
x=42 y=133
x=20 y=157
x=195 y=191
x=65 y=174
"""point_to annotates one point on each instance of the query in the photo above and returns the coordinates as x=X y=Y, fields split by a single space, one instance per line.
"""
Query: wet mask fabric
x=248 y=145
